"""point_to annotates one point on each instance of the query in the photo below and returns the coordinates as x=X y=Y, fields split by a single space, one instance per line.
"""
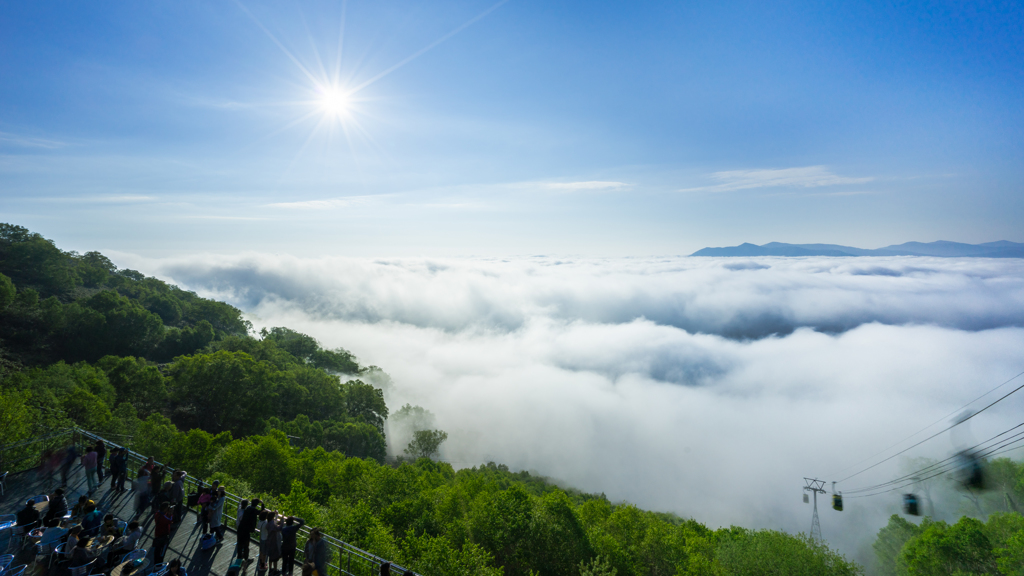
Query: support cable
x=948 y=428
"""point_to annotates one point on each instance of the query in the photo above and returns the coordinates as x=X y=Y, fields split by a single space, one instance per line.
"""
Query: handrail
x=15 y=445
x=372 y=561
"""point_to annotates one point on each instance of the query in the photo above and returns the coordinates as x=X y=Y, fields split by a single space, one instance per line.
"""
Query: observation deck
x=24 y=482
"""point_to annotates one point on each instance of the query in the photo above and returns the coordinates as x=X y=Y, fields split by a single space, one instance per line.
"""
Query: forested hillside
x=274 y=413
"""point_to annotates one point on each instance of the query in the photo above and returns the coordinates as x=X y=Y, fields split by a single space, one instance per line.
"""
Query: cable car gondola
x=970 y=471
x=910 y=505
x=837 y=499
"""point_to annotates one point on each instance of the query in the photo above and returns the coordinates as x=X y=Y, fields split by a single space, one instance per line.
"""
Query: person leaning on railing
x=289 y=536
x=246 y=524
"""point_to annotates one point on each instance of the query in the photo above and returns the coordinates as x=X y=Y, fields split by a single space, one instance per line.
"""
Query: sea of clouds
x=702 y=386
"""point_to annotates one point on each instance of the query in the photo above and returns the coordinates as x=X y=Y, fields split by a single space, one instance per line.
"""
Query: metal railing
x=351 y=561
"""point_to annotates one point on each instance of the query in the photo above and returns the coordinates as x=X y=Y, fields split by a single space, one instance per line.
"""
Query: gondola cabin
x=910 y=505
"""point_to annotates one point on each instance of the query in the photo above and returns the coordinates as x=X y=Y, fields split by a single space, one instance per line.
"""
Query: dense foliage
x=84 y=343
x=72 y=307
x=969 y=546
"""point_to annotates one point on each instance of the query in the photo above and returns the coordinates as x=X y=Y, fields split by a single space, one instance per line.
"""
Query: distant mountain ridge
x=941 y=248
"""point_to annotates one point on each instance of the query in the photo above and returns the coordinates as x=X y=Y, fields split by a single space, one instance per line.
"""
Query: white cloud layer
x=803 y=177
x=707 y=387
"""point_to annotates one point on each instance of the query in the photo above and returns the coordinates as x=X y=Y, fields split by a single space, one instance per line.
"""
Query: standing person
x=245 y=526
x=141 y=488
x=162 y=532
x=273 y=545
x=163 y=497
x=56 y=459
x=70 y=457
x=89 y=463
x=150 y=465
x=45 y=471
x=204 y=509
x=289 y=537
x=241 y=510
x=118 y=469
x=316 y=552
x=178 y=494
x=101 y=454
x=216 y=508
x=262 y=527
x=156 y=478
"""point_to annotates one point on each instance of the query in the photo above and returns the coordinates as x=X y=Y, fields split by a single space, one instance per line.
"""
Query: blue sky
x=597 y=128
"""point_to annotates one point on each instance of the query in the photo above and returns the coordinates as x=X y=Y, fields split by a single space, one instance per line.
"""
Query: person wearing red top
x=162 y=533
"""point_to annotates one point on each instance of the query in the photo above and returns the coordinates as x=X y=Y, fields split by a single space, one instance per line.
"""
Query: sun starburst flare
x=334 y=102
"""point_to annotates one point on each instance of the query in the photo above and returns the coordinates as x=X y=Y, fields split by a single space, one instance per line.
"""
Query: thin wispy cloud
x=324 y=204
x=104 y=199
x=804 y=177
x=29 y=141
x=123 y=198
x=215 y=217
x=585 y=185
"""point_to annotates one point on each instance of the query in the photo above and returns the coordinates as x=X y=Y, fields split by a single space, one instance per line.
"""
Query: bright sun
x=334 y=102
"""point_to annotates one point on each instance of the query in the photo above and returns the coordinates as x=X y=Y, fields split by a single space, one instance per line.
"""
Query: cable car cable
x=953 y=413
x=946 y=467
x=1001 y=448
x=940 y=431
x=926 y=468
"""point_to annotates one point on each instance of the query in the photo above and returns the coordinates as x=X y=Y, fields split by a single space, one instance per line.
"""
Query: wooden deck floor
x=185 y=536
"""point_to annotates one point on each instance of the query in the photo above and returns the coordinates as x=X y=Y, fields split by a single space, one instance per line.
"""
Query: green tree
x=1010 y=558
x=154 y=437
x=500 y=523
x=598 y=566
x=771 y=553
x=359 y=440
x=136 y=382
x=267 y=463
x=890 y=541
x=223 y=391
x=365 y=403
x=7 y=291
x=426 y=443
x=942 y=549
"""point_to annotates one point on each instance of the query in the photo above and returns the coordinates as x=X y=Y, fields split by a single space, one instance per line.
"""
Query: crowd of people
x=278 y=533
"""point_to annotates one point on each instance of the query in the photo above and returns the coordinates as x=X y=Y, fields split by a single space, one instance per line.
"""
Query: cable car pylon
x=816 y=487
